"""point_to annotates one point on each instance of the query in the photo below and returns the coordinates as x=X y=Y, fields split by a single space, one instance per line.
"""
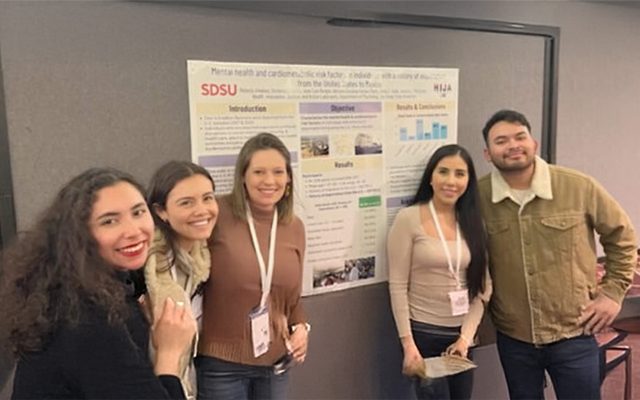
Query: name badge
x=459 y=302
x=260 y=331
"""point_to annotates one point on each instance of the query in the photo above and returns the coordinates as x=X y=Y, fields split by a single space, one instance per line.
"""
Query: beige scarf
x=190 y=270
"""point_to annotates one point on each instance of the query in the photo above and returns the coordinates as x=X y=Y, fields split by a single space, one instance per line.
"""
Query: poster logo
x=442 y=89
x=218 y=89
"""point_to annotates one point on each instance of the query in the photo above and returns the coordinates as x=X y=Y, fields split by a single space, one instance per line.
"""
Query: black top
x=95 y=360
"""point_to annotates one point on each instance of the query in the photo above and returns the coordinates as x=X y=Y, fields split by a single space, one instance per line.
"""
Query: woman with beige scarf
x=184 y=208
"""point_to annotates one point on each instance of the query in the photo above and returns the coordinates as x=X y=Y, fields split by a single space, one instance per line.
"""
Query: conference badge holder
x=459 y=302
x=260 y=336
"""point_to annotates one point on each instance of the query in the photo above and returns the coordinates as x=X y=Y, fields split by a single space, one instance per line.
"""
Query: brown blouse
x=234 y=286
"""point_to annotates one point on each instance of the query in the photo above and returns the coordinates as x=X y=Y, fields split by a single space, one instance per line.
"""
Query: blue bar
x=443 y=132
x=427 y=136
x=403 y=134
x=436 y=130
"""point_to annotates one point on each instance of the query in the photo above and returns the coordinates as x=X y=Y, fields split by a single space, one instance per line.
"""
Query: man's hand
x=598 y=314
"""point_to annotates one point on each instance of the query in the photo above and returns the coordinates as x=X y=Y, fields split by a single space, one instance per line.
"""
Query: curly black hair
x=53 y=271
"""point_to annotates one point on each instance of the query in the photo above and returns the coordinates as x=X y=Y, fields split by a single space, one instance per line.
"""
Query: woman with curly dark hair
x=68 y=305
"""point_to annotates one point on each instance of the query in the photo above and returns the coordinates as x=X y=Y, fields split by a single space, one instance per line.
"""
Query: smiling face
x=266 y=179
x=191 y=210
x=122 y=226
x=449 y=180
x=510 y=147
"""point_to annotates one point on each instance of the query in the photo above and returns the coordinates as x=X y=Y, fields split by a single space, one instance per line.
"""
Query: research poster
x=359 y=139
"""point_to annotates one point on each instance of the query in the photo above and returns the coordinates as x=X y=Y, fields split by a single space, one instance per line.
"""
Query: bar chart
x=439 y=131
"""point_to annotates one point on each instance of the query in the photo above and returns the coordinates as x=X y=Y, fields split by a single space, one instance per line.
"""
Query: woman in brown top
x=254 y=326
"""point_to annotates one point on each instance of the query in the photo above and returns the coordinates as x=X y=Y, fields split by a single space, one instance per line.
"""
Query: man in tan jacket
x=546 y=302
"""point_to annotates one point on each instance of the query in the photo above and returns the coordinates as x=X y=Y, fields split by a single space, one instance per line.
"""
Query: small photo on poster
x=366 y=144
x=314 y=146
x=353 y=270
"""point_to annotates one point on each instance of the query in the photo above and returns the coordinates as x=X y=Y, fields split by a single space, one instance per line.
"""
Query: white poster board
x=359 y=138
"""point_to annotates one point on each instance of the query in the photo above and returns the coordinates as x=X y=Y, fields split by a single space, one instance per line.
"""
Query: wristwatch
x=307 y=326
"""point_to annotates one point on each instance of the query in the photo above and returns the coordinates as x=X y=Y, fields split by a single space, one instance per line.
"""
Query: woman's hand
x=460 y=348
x=413 y=363
x=298 y=342
x=172 y=334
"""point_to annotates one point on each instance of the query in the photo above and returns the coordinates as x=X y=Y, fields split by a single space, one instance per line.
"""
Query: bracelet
x=307 y=326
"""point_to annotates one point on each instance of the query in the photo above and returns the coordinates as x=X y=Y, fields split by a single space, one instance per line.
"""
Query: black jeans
x=432 y=341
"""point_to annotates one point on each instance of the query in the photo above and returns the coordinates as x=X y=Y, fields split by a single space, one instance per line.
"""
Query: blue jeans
x=573 y=365
x=224 y=380
x=432 y=341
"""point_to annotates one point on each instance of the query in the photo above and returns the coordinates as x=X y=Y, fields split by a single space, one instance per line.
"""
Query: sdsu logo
x=218 y=89
x=442 y=89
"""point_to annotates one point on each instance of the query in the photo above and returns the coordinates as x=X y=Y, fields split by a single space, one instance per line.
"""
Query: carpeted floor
x=613 y=385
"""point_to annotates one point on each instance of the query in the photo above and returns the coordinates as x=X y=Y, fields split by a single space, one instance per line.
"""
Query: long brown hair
x=54 y=271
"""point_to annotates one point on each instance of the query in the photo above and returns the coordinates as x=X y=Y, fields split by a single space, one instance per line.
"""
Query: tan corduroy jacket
x=542 y=255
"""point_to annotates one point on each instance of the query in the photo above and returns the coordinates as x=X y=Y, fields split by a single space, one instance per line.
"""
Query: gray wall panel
x=104 y=83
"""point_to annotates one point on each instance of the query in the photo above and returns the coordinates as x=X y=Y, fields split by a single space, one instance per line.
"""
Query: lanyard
x=189 y=281
x=445 y=246
x=266 y=272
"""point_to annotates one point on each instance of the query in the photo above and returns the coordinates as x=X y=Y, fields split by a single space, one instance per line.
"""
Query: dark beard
x=503 y=167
